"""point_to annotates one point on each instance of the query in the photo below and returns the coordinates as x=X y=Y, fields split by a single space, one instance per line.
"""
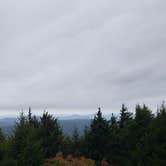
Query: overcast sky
x=78 y=54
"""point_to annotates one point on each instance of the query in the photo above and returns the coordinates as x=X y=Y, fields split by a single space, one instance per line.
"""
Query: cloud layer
x=78 y=54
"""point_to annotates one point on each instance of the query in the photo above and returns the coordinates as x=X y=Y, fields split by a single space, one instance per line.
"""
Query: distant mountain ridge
x=68 y=125
x=67 y=122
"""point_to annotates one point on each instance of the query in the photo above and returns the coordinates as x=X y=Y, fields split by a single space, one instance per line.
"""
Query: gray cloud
x=79 y=54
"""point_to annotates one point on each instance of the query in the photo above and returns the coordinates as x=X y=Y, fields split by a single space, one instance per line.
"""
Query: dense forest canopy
x=132 y=139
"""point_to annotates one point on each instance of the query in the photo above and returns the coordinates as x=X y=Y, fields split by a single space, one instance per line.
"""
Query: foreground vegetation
x=137 y=139
x=59 y=160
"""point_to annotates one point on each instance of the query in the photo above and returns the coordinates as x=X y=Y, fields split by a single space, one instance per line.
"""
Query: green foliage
x=130 y=139
x=2 y=146
x=2 y=137
x=5 y=159
x=67 y=146
x=8 y=162
x=97 y=137
x=77 y=141
x=50 y=134
x=125 y=116
x=25 y=147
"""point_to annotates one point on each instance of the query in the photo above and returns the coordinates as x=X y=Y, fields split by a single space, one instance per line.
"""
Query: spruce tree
x=98 y=137
x=25 y=146
x=125 y=116
x=75 y=142
x=51 y=135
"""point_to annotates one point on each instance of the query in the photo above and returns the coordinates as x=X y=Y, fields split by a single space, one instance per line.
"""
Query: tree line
x=129 y=139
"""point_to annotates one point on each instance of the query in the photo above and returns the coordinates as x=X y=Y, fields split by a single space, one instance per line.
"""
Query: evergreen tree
x=127 y=140
x=29 y=115
x=51 y=135
x=2 y=137
x=155 y=140
x=113 y=140
x=25 y=147
x=2 y=147
x=140 y=133
x=75 y=142
x=113 y=122
x=125 y=116
x=97 y=137
x=67 y=146
x=143 y=115
x=143 y=119
x=121 y=146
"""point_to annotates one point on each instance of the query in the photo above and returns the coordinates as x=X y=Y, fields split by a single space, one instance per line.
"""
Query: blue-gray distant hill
x=67 y=122
x=68 y=125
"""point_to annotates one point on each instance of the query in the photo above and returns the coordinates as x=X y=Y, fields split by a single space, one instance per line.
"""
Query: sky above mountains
x=79 y=54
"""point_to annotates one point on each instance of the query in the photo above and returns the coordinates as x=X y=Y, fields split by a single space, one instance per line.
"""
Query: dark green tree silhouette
x=50 y=135
x=25 y=147
x=76 y=143
x=97 y=137
x=125 y=116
